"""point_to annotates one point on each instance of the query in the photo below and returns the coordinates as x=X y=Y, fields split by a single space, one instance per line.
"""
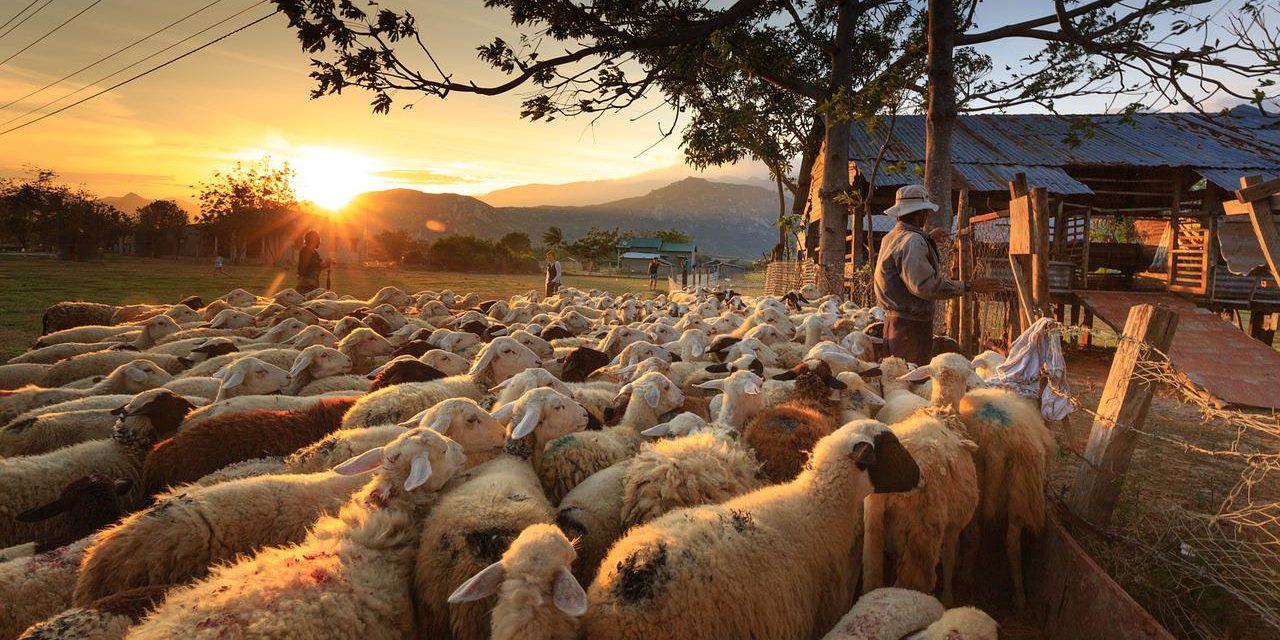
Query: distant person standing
x=217 y=266
x=653 y=272
x=310 y=264
x=554 y=272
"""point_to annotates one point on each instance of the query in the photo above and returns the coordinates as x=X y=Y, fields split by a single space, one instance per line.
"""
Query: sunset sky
x=248 y=96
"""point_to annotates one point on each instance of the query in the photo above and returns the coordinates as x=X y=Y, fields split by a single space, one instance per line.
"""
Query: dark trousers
x=911 y=340
x=552 y=287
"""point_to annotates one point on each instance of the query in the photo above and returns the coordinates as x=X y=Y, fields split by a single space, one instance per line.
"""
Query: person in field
x=653 y=273
x=554 y=271
x=909 y=277
x=310 y=264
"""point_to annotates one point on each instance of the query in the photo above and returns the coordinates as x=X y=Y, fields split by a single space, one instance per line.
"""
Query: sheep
x=689 y=423
x=691 y=345
x=349 y=578
x=366 y=349
x=922 y=527
x=899 y=401
x=401 y=370
x=569 y=459
x=497 y=361
x=802 y=534
x=538 y=597
x=101 y=363
x=250 y=376
x=580 y=362
x=197 y=349
x=1014 y=451
x=887 y=614
x=30 y=481
x=783 y=435
x=340 y=445
x=105 y=619
x=36 y=587
x=203 y=448
x=53 y=353
x=185 y=533
x=963 y=623
x=68 y=315
x=275 y=356
x=89 y=502
x=231 y=319
x=47 y=432
x=479 y=434
x=683 y=472
x=742 y=400
x=131 y=377
x=591 y=513
x=17 y=375
x=986 y=363
x=316 y=363
x=82 y=334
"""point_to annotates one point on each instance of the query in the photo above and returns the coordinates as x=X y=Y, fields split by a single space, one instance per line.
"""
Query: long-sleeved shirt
x=553 y=272
x=908 y=278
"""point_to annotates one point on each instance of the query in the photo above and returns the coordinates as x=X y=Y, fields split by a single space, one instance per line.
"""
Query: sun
x=332 y=177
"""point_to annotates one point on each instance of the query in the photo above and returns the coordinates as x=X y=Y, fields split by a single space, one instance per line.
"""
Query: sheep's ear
x=480 y=586
x=892 y=469
x=698 y=349
x=873 y=372
x=482 y=363
x=136 y=375
x=500 y=386
x=623 y=393
x=234 y=378
x=527 y=423
x=122 y=486
x=871 y=398
x=920 y=374
x=789 y=374
x=363 y=463
x=304 y=360
x=720 y=367
x=652 y=395
x=441 y=423
x=751 y=389
x=657 y=431
x=717 y=385
x=567 y=594
x=503 y=413
x=419 y=472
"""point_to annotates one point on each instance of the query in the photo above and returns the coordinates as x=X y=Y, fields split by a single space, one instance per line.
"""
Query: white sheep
x=37 y=586
x=538 y=597
x=962 y=623
x=131 y=377
x=316 y=363
x=480 y=435
x=899 y=401
x=887 y=614
x=803 y=534
x=250 y=376
x=340 y=445
x=355 y=567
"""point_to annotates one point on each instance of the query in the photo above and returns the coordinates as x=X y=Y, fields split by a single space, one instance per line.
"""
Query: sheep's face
x=952 y=375
x=250 y=376
x=298 y=313
x=321 y=362
x=539 y=560
x=662 y=332
x=213 y=309
x=655 y=390
x=642 y=350
x=551 y=412
x=752 y=347
x=345 y=326
x=182 y=314
x=365 y=344
x=457 y=341
x=860 y=344
x=140 y=375
x=857 y=396
x=503 y=358
x=533 y=378
x=288 y=297
x=433 y=308
x=679 y=426
x=239 y=298
x=576 y=322
x=872 y=447
x=725 y=324
x=767 y=333
x=162 y=326
x=392 y=296
x=394 y=318
x=465 y=422
x=267 y=313
x=148 y=417
x=313 y=336
x=418 y=459
x=231 y=319
x=284 y=330
x=451 y=364
x=537 y=345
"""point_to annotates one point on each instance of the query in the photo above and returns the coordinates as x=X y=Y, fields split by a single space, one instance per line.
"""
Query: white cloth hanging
x=1037 y=351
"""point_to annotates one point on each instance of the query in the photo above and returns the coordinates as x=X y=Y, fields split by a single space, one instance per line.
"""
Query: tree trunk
x=835 y=166
x=782 y=217
x=940 y=119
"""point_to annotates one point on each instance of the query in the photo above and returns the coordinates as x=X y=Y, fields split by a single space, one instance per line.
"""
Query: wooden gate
x=1189 y=257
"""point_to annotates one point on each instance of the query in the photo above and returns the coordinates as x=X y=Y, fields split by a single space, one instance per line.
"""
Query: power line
x=110 y=55
x=29 y=16
x=15 y=16
x=134 y=64
x=140 y=75
x=50 y=32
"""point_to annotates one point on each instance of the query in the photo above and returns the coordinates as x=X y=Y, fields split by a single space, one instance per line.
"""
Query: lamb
x=803 y=534
x=356 y=567
x=538 y=597
x=316 y=363
x=899 y=401
x=963 y=623
x=887 y=614
x=183 y=535
x=250 y=376
x=497 y=361
x=571 y=458
x=366 y=349
x=30 y=481
x=922 y=527
x=131 y=377
x=203 y=448
x=1014 y=451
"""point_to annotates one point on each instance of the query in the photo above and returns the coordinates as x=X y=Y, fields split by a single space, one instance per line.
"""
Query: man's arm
x=921 y=278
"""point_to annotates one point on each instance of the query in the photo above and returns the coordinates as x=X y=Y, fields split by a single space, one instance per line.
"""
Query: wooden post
x=966 y=332
x=1123 y=407
x=1040 y=253
x=1022 y=244
x=1260 y=213
x=1075 y=321
x=1084 y=258
x=1086 y=339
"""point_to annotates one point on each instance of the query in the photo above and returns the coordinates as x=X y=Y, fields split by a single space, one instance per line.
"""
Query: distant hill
x=130 y=202
x=723 y=218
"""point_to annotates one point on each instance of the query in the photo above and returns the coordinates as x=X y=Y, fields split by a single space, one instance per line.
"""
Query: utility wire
x=110 y=55
x=50 y=32
x=15 y=16
x=29 y=16
x=140 y=75
x=134 y=64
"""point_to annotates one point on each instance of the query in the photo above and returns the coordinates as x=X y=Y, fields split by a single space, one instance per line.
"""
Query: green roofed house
x=634 y=254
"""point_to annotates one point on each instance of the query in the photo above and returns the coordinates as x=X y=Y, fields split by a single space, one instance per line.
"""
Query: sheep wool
x=36 y=587
x=684 y=472
x=963 y=623
x=591 y=514
x=802 y=535
x=887 y=614
x=44 y=433
x=350 y=578
x=340 y=445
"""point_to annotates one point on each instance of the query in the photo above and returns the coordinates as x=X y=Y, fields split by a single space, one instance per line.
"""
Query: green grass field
x=29 y=284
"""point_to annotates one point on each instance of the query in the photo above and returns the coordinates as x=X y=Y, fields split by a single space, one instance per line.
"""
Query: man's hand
x=939 y=235
x=986 y=285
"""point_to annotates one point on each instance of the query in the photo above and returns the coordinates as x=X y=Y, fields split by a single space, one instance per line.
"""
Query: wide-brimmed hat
x=910 y=199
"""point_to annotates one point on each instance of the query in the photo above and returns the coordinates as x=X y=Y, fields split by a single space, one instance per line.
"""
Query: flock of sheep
x=699 y=465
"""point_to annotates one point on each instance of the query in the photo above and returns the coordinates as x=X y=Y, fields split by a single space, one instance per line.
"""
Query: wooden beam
x=988 y=217
x=1021 y=241
x=1257 y=190
x=1039 y=200
x=1122 y=408
x=1264 y=226
x=966 y=333
x=1241 y=208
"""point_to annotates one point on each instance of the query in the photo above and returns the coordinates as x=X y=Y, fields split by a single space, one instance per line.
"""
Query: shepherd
x=310 y=264
x=553 y=274
x=909 y=277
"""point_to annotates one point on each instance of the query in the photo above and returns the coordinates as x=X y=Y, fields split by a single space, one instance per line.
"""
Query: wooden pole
x=1040 y=253
x=1022 y=244
x=1123 y=407
x=968 y=334
x=1264 y=225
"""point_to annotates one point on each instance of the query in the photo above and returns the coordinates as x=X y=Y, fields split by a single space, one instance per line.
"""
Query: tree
x=22 y=200
x=517 y=243
x=673 y=236
x=40 y=210
x=157 y=223
x=553 y=237
x=598 y=245
x=393 y=243
x=250 y=202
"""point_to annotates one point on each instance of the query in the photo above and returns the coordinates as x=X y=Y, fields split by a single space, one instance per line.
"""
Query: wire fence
x=1207 y=570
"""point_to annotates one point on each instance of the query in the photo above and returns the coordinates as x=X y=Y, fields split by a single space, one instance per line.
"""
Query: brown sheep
x=212 y=444
x=783 y=435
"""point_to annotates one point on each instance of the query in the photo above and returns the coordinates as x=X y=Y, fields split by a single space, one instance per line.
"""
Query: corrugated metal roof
x=1242 y=140
x=657 y=244
x=1229 y=179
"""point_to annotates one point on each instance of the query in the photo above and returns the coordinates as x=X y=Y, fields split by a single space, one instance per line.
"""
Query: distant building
x=634 y=254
